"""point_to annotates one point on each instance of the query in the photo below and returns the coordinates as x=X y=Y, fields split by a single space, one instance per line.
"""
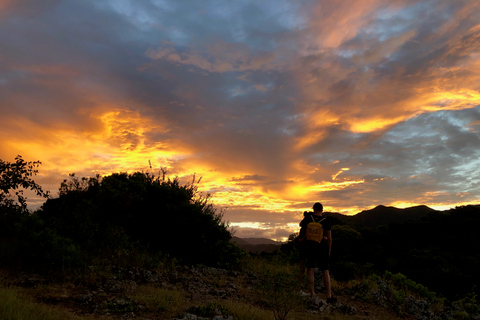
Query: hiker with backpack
x=302 y=253
x=316 y=235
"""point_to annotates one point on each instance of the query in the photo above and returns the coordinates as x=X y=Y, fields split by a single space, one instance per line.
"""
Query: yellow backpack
x=315 y=231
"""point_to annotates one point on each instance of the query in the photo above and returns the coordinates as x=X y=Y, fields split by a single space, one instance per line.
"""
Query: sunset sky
x=276 y=104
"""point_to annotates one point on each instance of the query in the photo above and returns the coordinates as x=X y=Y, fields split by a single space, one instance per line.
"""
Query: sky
x=274 y=104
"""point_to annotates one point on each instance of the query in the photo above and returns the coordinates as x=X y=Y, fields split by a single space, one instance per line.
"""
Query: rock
x=25 y=280
x=190 y=316
x=121 y=286
x=222 y=318
x=346 y=309
x=84 y=298
x=412 y=306
x=187 y=316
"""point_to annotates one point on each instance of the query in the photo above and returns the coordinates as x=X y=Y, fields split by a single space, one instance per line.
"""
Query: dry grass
x=17 y=306
x=160 y=302
x=249 y=303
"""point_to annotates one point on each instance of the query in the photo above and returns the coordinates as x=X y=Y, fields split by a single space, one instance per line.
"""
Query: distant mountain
x=257 y=245
x=256 y=241
x=382 y=215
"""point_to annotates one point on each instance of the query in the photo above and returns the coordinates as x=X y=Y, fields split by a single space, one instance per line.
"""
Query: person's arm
x=329 y=240
x=302 y=233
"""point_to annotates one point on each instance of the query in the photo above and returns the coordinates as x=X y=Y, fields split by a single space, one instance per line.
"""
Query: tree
x=25 y=241
x=155 y=213
x=15 y=177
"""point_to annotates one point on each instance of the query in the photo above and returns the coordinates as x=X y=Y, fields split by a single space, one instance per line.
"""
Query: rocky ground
x=111 y=292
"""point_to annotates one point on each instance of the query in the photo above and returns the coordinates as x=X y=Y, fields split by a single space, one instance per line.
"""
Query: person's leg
x=327 y=284
x=301 y=272
x=311 y=281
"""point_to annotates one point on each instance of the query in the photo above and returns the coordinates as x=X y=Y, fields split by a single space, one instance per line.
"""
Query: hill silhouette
x=439 y=249
x=257 y=245
x=381 y=216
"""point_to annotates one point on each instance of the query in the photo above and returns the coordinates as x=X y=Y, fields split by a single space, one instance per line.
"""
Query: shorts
x=317 y=255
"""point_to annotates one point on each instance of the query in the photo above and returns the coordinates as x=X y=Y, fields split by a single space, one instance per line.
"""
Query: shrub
x=407 y=285
x=156 y=214
x=275 y=288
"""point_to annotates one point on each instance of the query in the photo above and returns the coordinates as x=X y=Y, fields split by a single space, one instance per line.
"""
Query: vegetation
x=15 y=306
x=440 y=250
x=141 y=220
x=121 y=218
x=15 y=177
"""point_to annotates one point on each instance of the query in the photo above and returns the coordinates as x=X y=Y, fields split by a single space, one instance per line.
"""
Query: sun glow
x=117 y=144
x=451 y=100
x=325 y=186
x=339 y=172
x=370 y=125
x=251 y=199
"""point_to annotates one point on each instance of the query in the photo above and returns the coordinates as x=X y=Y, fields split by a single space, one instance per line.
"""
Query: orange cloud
x=337 y=21
x=119 y=144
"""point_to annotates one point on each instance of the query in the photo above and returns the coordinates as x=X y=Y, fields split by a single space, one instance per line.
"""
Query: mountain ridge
x=257 y=245
x=377 y=216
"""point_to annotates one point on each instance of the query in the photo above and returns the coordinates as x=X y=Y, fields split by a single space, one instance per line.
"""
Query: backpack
x=315 y=231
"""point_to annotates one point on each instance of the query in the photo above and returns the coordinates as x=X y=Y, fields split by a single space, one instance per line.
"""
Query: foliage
x=122 y=218
x=408 y=286
x=276 y=285
x=470 y=303
x=15 y=177
x=290 y=251
x=130 y=212
x=24 y=239
x=440 y=250
x=348 y=242
x=32 y=245
x=393 y=291
x=78 y=184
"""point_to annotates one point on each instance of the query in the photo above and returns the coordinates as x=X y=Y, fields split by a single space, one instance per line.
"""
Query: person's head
x=317 y=207
x=307 y=213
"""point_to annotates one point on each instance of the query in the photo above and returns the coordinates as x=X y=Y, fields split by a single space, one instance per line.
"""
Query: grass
x=160 y=301
x=244 y=311
x=267 y=294
x=17 y=306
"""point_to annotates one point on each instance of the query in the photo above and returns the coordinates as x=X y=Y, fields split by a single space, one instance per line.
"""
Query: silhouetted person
x=317 y=250
x=302 y=252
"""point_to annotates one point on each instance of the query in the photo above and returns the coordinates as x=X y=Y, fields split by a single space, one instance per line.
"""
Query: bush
x=26 y=242
x=407 y=285
x=155 y=214
x=275 y=287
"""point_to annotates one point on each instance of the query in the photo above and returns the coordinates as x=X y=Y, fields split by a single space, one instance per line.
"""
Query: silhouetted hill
x=258 y=241
x=382 y=215
x=239 y=241
x=257 y=245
